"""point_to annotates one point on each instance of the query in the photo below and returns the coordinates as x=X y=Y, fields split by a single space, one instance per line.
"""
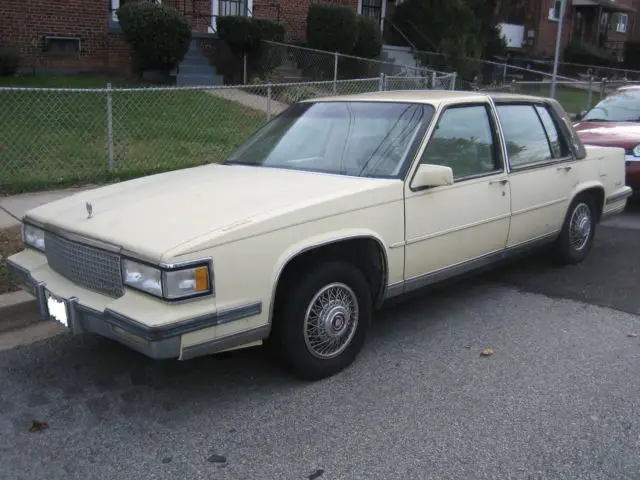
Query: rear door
x=541 y=170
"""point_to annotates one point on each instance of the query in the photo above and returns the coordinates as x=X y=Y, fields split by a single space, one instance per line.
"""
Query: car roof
x=433 y=97
x=629 y=87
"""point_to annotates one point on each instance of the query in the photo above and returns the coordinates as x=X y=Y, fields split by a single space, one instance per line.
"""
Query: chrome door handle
x=504 y=181
x=566 y=168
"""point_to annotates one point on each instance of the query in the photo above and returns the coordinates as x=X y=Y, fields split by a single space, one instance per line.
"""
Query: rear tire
x=322 y=320
x=576 y=238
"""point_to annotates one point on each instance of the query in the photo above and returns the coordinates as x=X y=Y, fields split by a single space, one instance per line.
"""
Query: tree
x=457 y=29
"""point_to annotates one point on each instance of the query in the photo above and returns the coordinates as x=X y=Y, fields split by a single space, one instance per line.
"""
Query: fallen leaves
x=633 y=335
x=37 y=426
x=317 y=474
x=217 y=459
x=487 y=352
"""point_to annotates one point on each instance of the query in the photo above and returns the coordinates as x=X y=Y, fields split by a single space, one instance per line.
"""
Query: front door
x=542 y=176
x=454 y=225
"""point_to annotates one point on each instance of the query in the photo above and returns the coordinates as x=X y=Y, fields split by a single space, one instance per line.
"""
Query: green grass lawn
x=573 y=100
x=53 y=139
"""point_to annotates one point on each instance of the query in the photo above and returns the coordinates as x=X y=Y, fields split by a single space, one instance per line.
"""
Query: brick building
x=532 y=25
x=78 y=35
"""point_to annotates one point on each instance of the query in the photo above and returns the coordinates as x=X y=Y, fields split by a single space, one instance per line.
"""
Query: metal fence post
x=453 y=80
x=244 y=69
x=381 y=83
x=603 y=88
x=504 y=74
x=434 y=79
x=335 y=73
x=268 y=103
x=590 y=96
x=109 y=128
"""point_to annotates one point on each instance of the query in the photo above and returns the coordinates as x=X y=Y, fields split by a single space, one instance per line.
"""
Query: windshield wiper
x=596 y=120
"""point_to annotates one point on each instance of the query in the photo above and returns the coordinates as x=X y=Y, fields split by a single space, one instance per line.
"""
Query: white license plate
x=57 y=310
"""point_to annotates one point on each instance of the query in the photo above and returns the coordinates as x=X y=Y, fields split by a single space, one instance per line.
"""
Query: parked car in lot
x=334 y=207
x=615 y=122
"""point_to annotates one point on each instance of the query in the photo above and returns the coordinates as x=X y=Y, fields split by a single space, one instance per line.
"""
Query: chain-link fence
x=481 y=73
x=281 y=62
x=57 y=137
x=575 y=96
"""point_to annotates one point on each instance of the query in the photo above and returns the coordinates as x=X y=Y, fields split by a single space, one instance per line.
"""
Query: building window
x=116 y=4
x=233 y=8
x=622 y=23
x=554 y=11
x=372 y=8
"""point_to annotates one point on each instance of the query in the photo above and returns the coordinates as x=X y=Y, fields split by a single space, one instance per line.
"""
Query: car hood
x=608 y=134
x=153 y=215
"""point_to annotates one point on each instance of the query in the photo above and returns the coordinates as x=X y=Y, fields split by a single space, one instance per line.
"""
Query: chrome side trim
x=230 y=341
x=384 y=259
x=550 y=203
x=458 y=229
x=619 y=196
x=462 y=268
x=177 y=329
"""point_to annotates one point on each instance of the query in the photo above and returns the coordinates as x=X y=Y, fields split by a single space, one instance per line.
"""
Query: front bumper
x=158 y=342
x=633 y=173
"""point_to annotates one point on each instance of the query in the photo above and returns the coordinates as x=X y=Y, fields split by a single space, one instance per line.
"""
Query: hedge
x=332 y=27
x=159 y=36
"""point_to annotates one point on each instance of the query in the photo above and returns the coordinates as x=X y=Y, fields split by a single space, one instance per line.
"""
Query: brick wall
x=24 y=23
x=545 y=41
x=293 y=14
x=547 y=30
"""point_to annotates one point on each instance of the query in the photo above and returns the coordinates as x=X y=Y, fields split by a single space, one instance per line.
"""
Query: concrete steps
x=195 y=69
x=400 y=56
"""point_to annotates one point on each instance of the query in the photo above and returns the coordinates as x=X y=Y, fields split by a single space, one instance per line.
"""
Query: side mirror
x=432 y=176
x=579 y=116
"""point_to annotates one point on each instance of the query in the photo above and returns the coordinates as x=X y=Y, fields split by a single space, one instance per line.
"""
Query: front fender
x=322 y=240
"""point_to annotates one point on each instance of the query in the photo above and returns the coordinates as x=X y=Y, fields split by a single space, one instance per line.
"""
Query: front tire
x=323 y=319
x=576 y=238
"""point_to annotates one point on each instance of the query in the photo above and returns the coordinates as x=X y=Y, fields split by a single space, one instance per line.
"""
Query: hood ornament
x=89 y=209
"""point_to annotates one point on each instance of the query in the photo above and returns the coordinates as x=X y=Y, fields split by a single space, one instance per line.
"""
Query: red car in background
x=615 y=122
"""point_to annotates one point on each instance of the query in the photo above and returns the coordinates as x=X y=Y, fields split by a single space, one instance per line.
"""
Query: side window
x=463 y=140
x=559 y=145
x=527 y=139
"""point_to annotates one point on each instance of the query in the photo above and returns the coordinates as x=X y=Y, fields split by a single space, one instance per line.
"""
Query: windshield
x=363 y=139
x=622 y=106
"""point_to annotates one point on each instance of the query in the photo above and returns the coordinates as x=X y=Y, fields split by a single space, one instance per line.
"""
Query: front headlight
x=636 y=151
x=176 y=283
x=33 y=236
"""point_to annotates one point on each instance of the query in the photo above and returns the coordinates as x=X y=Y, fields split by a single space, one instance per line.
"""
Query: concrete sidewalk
x=13 y=207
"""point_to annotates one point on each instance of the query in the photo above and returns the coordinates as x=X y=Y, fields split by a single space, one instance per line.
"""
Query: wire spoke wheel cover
x=580 y=227
x=331 y=320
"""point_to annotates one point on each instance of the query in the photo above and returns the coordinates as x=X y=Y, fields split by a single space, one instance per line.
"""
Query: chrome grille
x=87 y=266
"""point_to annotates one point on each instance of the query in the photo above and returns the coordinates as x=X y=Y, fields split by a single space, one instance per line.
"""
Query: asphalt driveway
x=558 y=399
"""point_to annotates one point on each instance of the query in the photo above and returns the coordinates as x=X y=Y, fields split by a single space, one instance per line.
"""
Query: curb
x=18 y=310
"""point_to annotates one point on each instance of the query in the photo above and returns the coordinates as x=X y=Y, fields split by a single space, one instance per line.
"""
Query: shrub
x=9 y=61
x=369 y=38
x=332 y=27
x=632 y=55
x=245 y=35
x=577 y=52
x=159 y=36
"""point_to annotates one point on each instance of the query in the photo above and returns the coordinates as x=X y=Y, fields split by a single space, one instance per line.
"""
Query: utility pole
x=563 y=7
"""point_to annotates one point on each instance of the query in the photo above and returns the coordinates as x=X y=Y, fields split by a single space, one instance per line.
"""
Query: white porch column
x=215 y=11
